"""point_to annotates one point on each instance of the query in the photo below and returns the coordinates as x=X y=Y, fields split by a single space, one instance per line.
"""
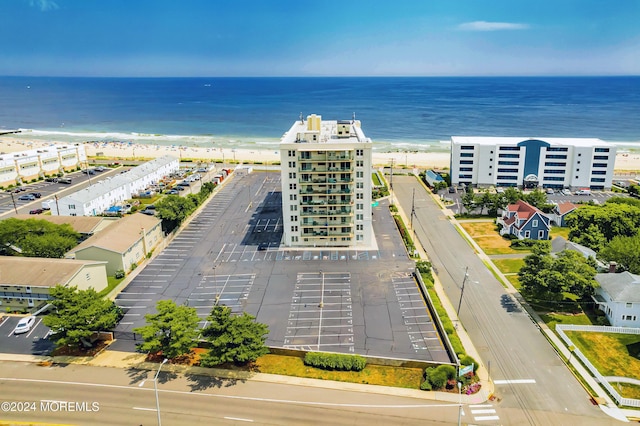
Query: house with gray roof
x=619 y=298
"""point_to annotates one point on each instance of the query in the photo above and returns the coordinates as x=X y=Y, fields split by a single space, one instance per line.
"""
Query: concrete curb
x=487 y=389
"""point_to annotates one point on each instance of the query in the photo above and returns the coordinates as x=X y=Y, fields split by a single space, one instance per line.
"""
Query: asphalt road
x=533 y=385
x=116 y=397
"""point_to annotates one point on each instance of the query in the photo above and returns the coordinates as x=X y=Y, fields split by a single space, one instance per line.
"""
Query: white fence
x=560 y=328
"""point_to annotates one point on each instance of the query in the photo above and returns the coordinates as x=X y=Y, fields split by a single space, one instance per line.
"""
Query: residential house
x=25 y=282
x=619 y=298
x=525 y=221
x=560 y=211
x=123 y=244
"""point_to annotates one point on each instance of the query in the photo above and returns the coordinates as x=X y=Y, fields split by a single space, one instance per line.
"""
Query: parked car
x=26 y=197
x=566 y=192
x=172 y=192
x=550 y=191
x=35 y=211
x=99 y=169
x=179 y=188
x=25 y=324
x=148 y=212
x=452 y=190
x=36 y=194
x=583 y=191
x=88 y=172
x=65 y=180
x=51 y=179
x=18 y=190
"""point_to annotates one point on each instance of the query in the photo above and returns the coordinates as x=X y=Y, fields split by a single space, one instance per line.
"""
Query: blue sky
x=321 y=38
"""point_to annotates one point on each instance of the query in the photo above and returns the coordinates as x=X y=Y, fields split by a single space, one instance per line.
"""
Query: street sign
x=465 y=370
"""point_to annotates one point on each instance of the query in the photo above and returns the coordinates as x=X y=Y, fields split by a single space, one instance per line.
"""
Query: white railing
x=560 y=328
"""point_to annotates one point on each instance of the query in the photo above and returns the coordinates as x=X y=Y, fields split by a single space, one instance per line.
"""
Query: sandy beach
x=626 y=162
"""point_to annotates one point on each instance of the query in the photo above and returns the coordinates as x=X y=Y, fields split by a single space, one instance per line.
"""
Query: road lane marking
x=144 y=409
x=238 y=419
x=482 y=418
x=514 y=382
x=244 y=398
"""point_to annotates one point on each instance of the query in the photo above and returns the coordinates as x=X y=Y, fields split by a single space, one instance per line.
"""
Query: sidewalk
x=610 y=408
x=128 y=360
x=487 y=390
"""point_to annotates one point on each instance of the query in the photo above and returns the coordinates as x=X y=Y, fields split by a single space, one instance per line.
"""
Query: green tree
x=77 y=314
x=498 y=202
x=174 y=209
x=512 y=195
x=612 y=219
x=172 y=330
x=577 y=272
x=625 y=251
x=233 y=338
x=591 y=237
x=536 y=198
x=546 y=278
x=468 y=201
x=36 y=238
x=536 y=277
x=484 y=200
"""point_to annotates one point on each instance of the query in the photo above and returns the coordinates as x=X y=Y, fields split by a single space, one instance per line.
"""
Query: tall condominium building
x=326 y=184
x=532 y=162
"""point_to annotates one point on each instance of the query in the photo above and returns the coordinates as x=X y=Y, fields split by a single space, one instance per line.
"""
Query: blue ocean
x=397 y=113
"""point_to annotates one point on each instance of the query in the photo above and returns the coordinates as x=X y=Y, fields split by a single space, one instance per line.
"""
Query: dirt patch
x=98 y=347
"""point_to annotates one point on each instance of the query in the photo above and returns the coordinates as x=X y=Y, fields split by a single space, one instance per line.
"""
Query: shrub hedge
x=328 y=361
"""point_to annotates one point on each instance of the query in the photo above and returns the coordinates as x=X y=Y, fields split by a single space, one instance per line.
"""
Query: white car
x=25 y=324
x=566 y=192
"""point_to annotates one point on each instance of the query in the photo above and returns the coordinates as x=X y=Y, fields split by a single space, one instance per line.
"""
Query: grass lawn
x=553 y=318
x=376 y=179
x=487 y=237
x=508 y=266
x=513 y=279
x=610 y=352
x=557 y=231
x=112 y=282
x=627 y=390
x=372 y=374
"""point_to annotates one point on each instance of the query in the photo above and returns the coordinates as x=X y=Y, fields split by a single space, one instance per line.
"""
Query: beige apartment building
x=326 y=184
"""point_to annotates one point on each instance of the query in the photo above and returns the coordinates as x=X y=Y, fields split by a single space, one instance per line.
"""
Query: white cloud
x=44 y=5
x=491 y=26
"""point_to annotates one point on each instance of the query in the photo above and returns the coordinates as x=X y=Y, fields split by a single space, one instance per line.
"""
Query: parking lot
x=229 y=253
x=33 y=342
x=321 y=314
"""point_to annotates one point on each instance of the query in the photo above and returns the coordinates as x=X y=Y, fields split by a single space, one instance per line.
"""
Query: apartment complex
x=25 y=282
x=532 y=162
x=24 y=166
x=326 y=184
x=109 y=192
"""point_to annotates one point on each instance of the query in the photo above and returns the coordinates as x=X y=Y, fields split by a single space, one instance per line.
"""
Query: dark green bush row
x=327 y=361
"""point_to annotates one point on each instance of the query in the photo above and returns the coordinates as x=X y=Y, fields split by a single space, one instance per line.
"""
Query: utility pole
x=391 y=182
x=15 y=209
x=413 y=208
x=464 y=281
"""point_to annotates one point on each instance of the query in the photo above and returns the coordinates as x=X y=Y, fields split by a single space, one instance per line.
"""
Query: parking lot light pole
x=155 y=387
x=322 y=291
x=215 y=285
